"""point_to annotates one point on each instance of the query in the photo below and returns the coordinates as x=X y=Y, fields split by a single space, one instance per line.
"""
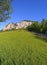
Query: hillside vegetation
x=22 y=48
x=38 y=27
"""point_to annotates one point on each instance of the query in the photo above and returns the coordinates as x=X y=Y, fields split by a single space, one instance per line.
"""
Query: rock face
x=9 y=26
x=20 y=25
x=23 y=24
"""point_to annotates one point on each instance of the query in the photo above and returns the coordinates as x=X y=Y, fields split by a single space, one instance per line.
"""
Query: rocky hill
x=9 y=26
x=19 y=25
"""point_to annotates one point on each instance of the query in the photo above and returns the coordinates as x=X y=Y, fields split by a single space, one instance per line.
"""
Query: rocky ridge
x=19 y=25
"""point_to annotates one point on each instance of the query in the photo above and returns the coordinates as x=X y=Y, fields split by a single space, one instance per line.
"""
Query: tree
x=44 y=26
x=38 y=27
x=5 y=9
x=35 y=26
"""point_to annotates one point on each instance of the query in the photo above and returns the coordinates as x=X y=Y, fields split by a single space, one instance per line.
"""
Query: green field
x=22 y=48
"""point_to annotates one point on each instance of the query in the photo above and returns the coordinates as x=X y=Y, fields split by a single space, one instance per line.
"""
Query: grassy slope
x=22 y=48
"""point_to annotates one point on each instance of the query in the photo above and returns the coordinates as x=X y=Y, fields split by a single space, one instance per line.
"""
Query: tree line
x=38 y=27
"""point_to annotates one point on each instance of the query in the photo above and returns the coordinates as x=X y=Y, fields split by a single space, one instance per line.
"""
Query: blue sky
x=27 y=10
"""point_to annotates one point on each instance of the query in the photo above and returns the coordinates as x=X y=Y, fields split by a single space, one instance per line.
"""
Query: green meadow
x=22 y=48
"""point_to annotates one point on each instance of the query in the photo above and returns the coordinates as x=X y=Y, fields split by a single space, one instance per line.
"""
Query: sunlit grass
x=22 y=48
